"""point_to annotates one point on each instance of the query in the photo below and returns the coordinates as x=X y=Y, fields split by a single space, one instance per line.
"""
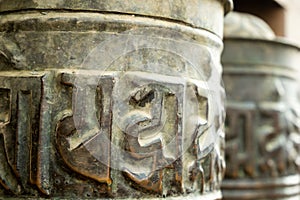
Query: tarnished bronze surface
x=111 y=99
x=261 y=77
x=196 y=14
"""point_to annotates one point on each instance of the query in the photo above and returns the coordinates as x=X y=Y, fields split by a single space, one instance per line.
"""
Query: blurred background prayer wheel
x=261 y=77
x=111 y=99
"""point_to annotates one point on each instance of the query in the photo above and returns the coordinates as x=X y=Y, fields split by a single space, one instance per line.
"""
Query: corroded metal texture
x=196 y=13
x=111 y=99
x=261 y=78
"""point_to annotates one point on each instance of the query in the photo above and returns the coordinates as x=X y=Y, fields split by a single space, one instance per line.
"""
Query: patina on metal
x=261 y=76
x=111 y=99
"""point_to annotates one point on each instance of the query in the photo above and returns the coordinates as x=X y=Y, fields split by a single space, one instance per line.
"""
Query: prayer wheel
x=111 y=99
x=261 y=77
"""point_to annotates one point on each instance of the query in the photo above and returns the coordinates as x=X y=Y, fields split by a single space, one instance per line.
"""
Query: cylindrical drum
x=111 y=99
x=261 y=76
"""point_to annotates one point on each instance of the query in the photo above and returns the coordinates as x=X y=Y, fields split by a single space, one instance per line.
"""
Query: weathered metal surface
x=261 y=78
x=121 y=102
x=196 y=13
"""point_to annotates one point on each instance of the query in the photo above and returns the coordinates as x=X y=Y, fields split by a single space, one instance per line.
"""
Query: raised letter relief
x=138 y=131
x=19 y=112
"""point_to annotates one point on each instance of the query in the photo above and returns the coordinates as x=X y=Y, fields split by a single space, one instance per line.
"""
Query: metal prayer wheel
x=111 y=99
x=261 y=76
